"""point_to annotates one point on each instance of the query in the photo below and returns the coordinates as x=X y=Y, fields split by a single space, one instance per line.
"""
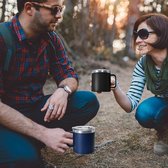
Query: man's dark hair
x=20 y=3
x=159 y=23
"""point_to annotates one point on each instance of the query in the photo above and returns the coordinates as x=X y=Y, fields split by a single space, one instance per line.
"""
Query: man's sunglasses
x=142 y=33
x=54 y=9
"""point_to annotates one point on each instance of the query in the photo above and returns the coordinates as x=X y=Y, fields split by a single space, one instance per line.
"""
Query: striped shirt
x=23 y=83
x=138 y=83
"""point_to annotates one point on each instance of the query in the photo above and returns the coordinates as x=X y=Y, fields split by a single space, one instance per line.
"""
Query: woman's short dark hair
x=20 y=3
x=159 y=23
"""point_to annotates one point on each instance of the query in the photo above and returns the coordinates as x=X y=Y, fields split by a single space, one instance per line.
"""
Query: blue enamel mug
x=83 y=139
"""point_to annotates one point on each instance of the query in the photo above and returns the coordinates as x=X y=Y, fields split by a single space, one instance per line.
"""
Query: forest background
x=101 y=29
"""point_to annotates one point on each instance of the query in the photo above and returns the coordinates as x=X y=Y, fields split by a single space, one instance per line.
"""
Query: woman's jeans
x=20 y=151
x=153 y=113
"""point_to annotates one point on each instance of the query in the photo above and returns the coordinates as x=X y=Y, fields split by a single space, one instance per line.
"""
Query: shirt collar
x=18 y=28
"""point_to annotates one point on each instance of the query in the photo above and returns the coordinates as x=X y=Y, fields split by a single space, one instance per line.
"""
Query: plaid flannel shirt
x=23 y=83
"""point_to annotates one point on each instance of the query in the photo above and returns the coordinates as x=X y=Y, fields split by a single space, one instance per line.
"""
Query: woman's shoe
x=160 y=148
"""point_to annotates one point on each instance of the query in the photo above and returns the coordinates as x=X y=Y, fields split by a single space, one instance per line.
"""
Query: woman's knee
x=144 y=116
x=148 y=110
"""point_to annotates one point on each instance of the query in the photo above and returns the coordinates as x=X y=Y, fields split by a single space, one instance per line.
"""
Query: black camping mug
x=83 y=139
x=101 y=80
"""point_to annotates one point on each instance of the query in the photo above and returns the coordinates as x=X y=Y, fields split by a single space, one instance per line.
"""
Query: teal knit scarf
x=156 y=83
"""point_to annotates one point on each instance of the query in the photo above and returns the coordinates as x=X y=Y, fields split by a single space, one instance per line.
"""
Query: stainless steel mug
x=101 y=80
x=83 y=139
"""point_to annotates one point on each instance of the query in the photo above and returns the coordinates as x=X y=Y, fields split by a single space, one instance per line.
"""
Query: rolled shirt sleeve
x=61 y=67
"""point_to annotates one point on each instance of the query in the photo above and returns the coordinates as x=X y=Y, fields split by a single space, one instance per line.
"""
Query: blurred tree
x=8 y=9
x=94 y=26
x=133 y=14
x=155 y=6
x=3 y=10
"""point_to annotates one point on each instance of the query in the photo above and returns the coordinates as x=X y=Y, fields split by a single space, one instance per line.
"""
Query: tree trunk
x=132 y=16
x=113 y=30
x=3 y=11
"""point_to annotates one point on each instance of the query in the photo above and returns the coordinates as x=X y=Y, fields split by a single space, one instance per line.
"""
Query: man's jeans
x=19 y=151
x=153 y=113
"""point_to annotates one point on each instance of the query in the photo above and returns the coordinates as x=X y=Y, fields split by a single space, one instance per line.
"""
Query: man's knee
x=17 y=150
x=92 y=99
x=85 y=99
x=21 y=157
x=92 y=104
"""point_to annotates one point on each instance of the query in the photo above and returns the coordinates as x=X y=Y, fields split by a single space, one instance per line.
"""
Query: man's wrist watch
x=66 y=88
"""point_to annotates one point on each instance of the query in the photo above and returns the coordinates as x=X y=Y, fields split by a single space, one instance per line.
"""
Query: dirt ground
x=121 y=142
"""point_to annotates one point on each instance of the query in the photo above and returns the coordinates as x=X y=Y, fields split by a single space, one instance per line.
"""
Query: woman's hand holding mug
x=103 y=80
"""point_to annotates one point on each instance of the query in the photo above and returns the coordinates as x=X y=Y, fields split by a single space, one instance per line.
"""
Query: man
x=28 y=119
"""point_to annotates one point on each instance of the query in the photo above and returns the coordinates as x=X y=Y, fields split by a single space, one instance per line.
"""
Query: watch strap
x=66 y=88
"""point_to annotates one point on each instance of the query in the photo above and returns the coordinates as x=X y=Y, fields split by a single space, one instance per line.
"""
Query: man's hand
x=56 y=105
x=57 y=139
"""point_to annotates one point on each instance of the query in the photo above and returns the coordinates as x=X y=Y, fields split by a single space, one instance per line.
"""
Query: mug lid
x=83 y=129
x=101 y=70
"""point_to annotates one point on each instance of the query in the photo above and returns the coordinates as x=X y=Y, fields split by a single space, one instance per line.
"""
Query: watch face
x=67 y=89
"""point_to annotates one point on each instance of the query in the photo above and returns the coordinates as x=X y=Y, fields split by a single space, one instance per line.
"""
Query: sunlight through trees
x=101 y=27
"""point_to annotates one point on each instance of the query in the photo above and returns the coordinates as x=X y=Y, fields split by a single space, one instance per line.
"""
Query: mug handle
x=70 y=145
x=115 y=80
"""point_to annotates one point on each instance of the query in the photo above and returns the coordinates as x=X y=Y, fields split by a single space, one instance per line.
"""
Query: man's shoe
x=160 y=148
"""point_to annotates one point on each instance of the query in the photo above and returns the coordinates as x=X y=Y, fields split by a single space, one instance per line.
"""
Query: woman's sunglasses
x=54 y=9
x=142 y=33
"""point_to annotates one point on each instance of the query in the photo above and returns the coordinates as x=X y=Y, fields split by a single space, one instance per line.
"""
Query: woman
x=151 y=40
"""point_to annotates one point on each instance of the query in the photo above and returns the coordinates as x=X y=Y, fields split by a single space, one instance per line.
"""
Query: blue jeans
x=20 y=151
x=153 y=113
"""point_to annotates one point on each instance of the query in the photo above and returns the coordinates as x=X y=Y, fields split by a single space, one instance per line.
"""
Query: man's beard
x=39 y=26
